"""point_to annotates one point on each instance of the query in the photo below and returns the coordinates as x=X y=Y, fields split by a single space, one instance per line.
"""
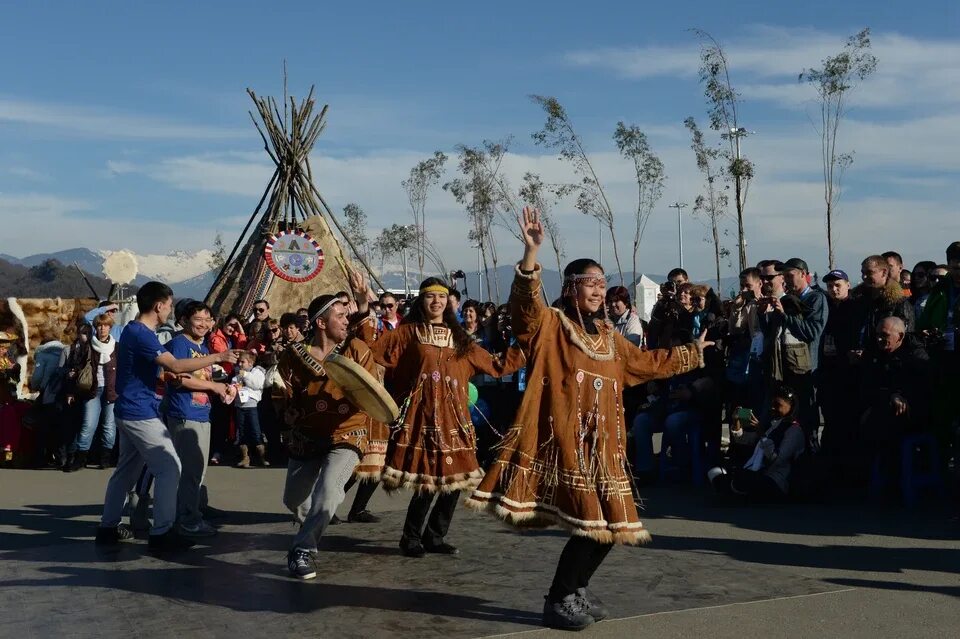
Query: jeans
x=248 y=426
x=314 y=490
x=192 y=441
x=144 y=442
x=674 y=428
x=93 y=409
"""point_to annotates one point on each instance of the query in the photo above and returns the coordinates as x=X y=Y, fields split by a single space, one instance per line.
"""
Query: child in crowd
x=249 y=382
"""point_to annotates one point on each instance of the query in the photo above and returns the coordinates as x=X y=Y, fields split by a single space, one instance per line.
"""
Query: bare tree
x=479 y=192
x=396 y=239
x=559 y=135
x=533 y=191
x=633 y=145
x=723 y=100
x=712 y=207
x=355 y=225
x=839 y=74
x=423 y=177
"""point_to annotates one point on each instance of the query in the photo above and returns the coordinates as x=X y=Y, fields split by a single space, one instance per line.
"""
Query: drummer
x=328 y=433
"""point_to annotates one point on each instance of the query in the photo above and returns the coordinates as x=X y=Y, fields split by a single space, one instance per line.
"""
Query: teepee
x=291 y=255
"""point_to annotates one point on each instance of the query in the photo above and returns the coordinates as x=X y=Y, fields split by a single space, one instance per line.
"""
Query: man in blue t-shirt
x=144 y=439
x=188 y=416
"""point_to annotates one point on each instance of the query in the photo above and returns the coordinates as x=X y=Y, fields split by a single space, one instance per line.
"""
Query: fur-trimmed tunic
x=322 y=416
x=370 y=467
x=564 y=460
x=434 y=446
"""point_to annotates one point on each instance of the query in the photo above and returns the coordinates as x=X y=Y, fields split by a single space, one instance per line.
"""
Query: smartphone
x=744 y=415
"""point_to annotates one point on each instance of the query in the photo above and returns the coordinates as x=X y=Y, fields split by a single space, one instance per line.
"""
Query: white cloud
x=767 y=61
x=105 y=123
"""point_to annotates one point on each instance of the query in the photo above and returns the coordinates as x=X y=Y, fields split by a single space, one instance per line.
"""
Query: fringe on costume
x=394 y=480
x=540 y=515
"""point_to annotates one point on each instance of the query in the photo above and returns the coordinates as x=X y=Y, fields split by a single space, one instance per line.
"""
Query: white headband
x=323 y=309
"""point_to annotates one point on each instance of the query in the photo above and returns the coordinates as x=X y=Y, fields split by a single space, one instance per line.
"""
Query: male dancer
x=328 y=434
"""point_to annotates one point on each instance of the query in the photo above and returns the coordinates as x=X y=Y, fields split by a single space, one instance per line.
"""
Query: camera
x=668 y=289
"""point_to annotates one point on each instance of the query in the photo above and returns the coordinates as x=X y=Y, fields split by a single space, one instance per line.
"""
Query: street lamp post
x=679 y=206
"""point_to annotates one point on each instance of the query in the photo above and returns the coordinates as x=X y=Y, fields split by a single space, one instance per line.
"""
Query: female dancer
x=430 y=359
x=564 y=462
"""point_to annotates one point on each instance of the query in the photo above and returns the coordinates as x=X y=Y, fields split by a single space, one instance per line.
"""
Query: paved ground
x=785 y=571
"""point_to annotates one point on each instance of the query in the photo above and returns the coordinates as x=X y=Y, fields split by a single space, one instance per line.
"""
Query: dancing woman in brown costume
x=564 y=460
x=433 y=448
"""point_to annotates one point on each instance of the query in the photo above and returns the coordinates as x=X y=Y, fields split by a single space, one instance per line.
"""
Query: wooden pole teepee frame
x=290 y=196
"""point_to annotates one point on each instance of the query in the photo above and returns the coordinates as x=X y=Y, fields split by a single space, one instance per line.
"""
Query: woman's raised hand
x=531 y=228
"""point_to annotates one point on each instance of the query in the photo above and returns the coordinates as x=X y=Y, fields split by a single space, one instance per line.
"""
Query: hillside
x=49 y=278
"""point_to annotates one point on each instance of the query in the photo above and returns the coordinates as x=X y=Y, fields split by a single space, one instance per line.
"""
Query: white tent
x=645 y=293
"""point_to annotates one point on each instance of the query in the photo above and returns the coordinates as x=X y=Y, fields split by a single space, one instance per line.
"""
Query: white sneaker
x=203 y=529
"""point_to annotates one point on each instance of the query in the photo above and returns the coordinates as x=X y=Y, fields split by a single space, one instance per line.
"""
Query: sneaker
x=592 y=605
x=170 y=541
x=363 y=517
x=566 y=614
x=300 y=564
x=203 y=529
x=111 y=536
x=335 y=521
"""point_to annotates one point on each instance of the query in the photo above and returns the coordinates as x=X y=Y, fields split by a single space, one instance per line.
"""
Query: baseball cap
x=793 y=262
x=835 y=274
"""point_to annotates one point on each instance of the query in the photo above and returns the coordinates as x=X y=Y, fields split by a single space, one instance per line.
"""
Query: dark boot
x=79 y=461
x=104 y=461
x=67 y=462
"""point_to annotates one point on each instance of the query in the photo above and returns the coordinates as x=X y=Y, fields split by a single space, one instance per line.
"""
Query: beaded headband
x=587 y=278
x=436 y=288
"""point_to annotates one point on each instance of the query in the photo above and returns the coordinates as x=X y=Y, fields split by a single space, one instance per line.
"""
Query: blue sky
x=125 y=126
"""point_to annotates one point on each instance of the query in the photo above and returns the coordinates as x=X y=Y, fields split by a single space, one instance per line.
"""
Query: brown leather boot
x=262 y=455
x=244 y=457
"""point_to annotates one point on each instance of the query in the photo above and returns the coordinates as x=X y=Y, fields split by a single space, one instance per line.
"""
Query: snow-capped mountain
x=188 y=274
x=175 y=266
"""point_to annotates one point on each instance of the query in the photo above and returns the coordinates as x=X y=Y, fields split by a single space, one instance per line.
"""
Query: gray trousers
x=313 y=491
x=144 y=442
x=192 y=442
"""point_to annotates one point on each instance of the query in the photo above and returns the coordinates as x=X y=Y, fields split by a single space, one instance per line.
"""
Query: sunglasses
x=770 y=278
x=274 y=330
x=388 y=305
x=260 y=310
x=696 y=299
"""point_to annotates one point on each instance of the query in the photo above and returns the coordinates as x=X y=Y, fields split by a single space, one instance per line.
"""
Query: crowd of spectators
x=815 y=379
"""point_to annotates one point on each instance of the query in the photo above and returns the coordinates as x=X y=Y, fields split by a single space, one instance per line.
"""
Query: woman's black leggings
x=579 y=560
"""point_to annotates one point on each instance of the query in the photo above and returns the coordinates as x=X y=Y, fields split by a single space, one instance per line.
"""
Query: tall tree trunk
x=716 y=253
x=486 y=272
x=830 y=259
x=741 y=240
x=616 y=253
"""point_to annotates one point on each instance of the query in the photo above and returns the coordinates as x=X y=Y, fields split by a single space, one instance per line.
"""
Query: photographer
x=670 y=323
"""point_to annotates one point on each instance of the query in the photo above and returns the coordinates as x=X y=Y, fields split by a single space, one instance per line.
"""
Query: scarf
x=105 y=349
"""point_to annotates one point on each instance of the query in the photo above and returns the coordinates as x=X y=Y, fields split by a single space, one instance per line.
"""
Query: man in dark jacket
x=880 y=296
x=792 y=326
x=835 y=376
x=894 y=392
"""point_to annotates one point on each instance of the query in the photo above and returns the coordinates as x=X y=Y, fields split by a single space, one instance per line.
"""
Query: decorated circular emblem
x=294 y=256
x=321 y=406
x=597 y=383
x=343 y=409
x=436 y=376
x=579 y=377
